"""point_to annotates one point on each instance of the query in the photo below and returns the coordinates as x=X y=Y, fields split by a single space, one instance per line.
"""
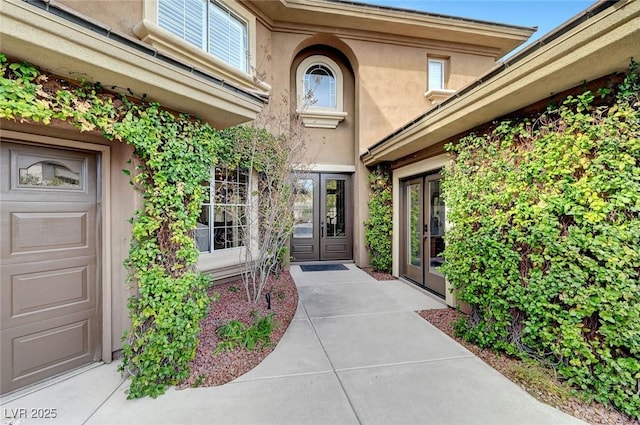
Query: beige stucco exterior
x=382 y=55
x=581 y=51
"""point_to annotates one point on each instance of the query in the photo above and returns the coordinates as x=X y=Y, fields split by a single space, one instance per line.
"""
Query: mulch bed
x=536 y=380
x=208 y=369
x=378 y=275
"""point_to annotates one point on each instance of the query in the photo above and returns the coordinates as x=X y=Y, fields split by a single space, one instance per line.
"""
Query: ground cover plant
x=545 y=236
x=212 y=366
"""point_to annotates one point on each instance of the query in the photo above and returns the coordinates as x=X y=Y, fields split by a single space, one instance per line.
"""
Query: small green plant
x=233 y=288
x=199 y=380
x=237 y=334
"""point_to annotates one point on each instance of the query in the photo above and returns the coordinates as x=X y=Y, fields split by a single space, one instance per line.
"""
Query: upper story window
x=208 y=25
x=436 y=74
x=319 y=86
x=437 y=80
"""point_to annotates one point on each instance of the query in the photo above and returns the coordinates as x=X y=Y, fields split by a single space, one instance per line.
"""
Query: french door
x=423 y=225
x=323 y=214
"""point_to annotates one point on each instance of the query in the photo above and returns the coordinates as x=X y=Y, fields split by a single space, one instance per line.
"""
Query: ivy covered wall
x=545 y=239
x=173 y=155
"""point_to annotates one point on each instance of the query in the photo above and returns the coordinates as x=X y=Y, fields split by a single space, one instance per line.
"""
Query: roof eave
x=420 y=25
x=77 y=48
x=603 y=42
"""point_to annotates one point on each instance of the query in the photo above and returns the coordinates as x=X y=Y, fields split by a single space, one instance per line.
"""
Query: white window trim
x=317 y=116
x=437 y=95
x=150 y=32
x=230 y=262
x=443 y=64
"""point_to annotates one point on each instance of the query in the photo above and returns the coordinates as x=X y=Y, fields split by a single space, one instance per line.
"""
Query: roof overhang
x=352 y=16
x=599 y=42
x=58 y=41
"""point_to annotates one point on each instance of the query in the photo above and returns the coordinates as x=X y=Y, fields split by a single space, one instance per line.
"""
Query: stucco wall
x=393 y=81
x=384 y=89
x=121 y=15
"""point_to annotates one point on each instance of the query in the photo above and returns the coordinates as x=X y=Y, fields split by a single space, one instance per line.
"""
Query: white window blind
x=227 y=36
x=207 y=25
x=436 y=75
x=184 y=18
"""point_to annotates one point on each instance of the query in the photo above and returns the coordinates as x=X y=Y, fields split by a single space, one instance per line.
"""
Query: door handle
x=322 y=229
x=425 y=231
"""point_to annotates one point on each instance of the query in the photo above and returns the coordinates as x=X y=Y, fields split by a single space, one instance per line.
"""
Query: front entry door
x=323 y=218
x=48 y=263
x=423 y=232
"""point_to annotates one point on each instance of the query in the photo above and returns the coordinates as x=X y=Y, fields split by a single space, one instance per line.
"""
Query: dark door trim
x=324 y=218
x=422 y=231
x=336 y=215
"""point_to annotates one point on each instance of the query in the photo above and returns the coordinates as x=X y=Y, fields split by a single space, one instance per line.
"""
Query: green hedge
x=545 y=239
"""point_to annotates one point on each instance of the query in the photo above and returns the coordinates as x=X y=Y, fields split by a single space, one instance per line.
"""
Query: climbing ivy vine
x=379 y=225
x=545 y=239
x=173 y=156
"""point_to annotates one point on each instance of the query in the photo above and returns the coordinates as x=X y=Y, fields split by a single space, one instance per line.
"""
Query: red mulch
x=208 y=369
x=378 y=275
x=537 y=381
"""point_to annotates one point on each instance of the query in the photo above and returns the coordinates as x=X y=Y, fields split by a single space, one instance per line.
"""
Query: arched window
x=319 y=88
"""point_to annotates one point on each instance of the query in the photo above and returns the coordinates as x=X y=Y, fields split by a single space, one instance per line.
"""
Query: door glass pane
x=49 y=173
x=436 y=226
x=414 y=233
x=303 y=209
x=335 y=208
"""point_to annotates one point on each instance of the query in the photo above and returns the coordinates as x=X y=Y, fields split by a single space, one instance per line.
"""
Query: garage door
x=48 y=264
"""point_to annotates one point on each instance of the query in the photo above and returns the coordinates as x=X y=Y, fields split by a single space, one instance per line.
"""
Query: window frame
x=308 y=91
x=443 y=70
x=208 y=42
x=238 y=185
x=436 y=95
x=148 y=31
x=315 y=115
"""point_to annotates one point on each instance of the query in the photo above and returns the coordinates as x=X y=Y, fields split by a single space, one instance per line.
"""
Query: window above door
x=319 y=87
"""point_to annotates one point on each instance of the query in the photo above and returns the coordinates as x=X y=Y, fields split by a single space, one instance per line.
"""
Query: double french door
x=323 y=214
x=423 y=225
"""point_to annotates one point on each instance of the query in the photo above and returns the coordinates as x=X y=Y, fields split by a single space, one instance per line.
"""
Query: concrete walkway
x=355 y=353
